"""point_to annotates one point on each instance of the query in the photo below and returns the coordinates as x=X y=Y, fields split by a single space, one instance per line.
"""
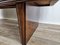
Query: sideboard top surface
x=12 y=3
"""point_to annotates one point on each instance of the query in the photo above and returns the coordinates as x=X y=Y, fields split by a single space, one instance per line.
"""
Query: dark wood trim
x=12 y=3
x=21 y=14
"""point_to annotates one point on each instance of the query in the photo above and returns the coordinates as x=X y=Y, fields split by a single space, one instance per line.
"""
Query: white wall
x=49 y=14
x=1 y=13
x=9 y=13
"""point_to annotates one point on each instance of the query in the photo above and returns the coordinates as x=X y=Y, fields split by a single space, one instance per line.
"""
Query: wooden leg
x=21 y=15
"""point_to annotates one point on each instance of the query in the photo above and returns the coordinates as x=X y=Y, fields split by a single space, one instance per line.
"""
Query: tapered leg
x=21 y=15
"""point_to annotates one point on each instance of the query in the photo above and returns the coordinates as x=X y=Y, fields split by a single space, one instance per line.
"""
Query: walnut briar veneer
x=25 y=30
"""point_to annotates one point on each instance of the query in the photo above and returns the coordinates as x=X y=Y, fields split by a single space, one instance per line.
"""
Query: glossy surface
x=12 y=3
x=42 y=2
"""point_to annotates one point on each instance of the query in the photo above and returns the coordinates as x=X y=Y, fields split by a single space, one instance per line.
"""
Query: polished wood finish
x=21 y=14
x=42 y=2
x=20 y=5
x=30 y=29
x=39 y=2
x=12 y=3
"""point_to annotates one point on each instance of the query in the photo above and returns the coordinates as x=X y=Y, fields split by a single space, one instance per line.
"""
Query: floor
x=45 y=34
x=9 y=29
x=8 y=32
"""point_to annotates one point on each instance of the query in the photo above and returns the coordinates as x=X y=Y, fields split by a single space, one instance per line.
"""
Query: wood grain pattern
x=30 y=29
x=27 y=28
x=12 y=3
x=39 y=2
x=21 y=14
x=42 y=2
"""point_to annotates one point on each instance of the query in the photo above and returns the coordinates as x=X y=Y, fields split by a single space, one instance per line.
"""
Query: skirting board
x=39 y=21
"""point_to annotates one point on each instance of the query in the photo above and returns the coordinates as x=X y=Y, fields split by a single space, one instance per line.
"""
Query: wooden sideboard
x=25 y=28
x=42 y=2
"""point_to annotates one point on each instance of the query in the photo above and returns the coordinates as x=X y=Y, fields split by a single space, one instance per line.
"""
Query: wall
x=1 y=13
x=49 y=14
x=10 y=13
